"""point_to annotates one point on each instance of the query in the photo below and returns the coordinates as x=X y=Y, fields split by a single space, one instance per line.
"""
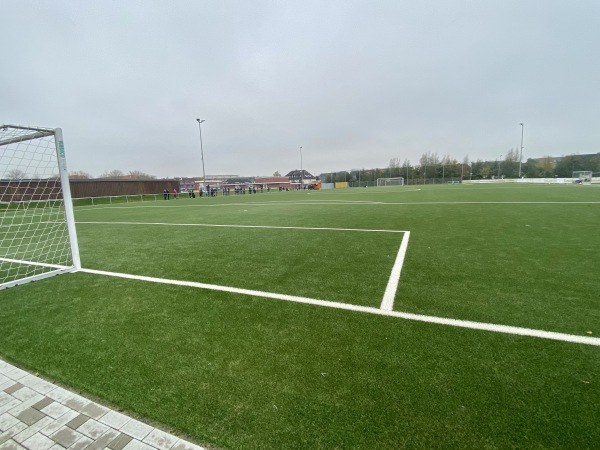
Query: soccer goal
x=398 y=181
x=582 y=177
x=37 y=228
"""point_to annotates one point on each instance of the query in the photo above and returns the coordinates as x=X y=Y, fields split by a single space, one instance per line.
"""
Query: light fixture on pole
x=202 y=155
x=521 y=154
x=301 y=170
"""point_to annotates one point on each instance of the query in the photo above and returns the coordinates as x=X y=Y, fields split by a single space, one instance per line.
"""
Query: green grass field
x=238 y=371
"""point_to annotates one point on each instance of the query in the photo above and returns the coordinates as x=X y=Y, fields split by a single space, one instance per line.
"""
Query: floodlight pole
x=301 y=170
x=500 y=160
x=521 y=154
x=202 y=155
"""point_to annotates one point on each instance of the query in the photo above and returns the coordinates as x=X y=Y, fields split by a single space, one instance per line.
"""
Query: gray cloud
x=355 y=83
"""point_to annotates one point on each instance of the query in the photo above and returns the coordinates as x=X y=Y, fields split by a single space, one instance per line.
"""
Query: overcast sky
x=355 y=83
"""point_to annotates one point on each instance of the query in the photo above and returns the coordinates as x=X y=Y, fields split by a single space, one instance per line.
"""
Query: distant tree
x=394 y=163
x=512 y=155
x=276 y=173
x=112 y=174
x=510 y=165
x=485 y=170
x=546 y=166
x=141 y=175
x=531 y=169
x=15 y=174
x=80 y=174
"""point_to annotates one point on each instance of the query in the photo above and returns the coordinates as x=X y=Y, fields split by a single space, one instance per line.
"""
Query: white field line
x=335 y=202
x=31 y=263
x=387 y=304
x=366 y=309
x=240 y=226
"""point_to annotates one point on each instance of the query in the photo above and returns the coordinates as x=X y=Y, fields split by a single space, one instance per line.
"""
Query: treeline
x=430 y=166
x=131 y=175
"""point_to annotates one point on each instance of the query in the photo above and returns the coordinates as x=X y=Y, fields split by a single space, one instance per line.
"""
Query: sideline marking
x=333 y=202
x=506 y=329
x=241 y=226
x=387 y=304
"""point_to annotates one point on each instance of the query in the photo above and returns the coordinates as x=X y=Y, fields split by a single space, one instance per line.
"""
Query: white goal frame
x=397 y=181
x=37 y=226
x=582 y=176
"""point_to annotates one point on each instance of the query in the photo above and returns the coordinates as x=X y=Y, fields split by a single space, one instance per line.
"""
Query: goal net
x=398 y=181
x=37 y=229
x=582 y=177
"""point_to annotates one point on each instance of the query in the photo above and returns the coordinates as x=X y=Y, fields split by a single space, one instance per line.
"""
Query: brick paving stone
x=103 y=440
x=137 y=429
x=77 y=402
x=29 y=380
x=161 y=440
x=5 y=398
x=7 y=421
x=44 y=387
x=10 y=405
x=81 y=444
x=15 y=387
x=16 y=374
x=93 y=429
x=94 y=410
x=12 y=431
x=24 y=394
x=4 y=379
x=30 y=416
x=55 y=410
x=6 y=384
x=42 y=403
x=37 y=384
x=31 y=430
x=11 y=445
x=137 y=445
x=119 y=442
x=60 y=395
x=57 y=447
x=59 y=423
x=184 y=445
x=115 y=419
x=76 y=422
x=22 y=406
x=66 y=436
x=38 y=442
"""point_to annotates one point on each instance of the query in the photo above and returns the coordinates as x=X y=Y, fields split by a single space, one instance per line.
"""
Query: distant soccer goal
x=398 y=181
x=37 y=228
x=582 y=177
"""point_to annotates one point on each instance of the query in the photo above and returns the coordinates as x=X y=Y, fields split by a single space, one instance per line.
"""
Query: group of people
x=167 y=194
x=209 y=191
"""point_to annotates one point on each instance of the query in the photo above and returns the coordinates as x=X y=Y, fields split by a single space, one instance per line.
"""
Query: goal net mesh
x=398 y=181
x=34 y=234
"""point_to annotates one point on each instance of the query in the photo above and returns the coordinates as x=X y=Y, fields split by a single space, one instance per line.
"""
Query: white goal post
x=398 y=181
x=37 y=227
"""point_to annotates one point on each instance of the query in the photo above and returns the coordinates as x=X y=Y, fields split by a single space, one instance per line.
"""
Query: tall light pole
x=301 y=170
x=202 y=155
x=499 y=166
x=521 y=154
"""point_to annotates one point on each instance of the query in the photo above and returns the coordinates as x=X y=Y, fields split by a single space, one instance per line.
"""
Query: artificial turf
x=235 y=371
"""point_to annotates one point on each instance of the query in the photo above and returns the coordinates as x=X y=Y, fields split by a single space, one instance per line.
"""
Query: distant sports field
x=449 y=316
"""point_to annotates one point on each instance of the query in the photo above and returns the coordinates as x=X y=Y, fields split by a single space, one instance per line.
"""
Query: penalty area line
x=387 y=304
x=505 y=329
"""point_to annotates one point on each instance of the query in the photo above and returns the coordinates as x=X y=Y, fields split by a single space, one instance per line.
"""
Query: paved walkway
x=37 y=415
